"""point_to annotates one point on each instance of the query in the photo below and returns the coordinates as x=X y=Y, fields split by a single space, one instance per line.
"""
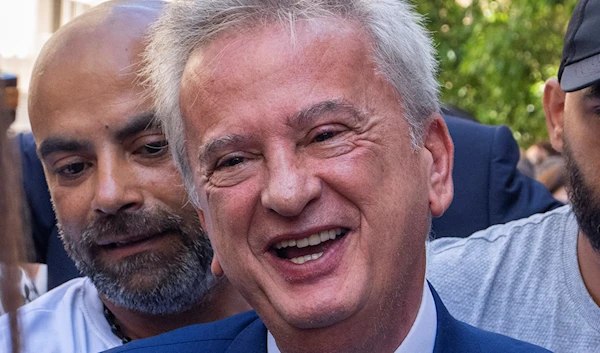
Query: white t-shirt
x=68 y=318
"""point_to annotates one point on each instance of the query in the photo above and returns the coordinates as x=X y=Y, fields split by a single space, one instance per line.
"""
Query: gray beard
x=150 y=283
x=585 y=201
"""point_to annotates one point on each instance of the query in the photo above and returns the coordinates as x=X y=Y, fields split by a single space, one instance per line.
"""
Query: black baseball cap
x=580 y=64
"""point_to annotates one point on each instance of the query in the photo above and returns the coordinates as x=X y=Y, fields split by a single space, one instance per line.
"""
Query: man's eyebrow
x=136 y=124
x=306 y=116
x=211 y=148
x=62 y=144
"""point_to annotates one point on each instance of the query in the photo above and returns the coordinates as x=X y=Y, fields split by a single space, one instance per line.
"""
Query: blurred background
x=25 y=25
x=494 y=55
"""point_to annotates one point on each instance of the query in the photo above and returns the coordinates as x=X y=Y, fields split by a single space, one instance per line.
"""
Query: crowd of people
x=277 y=176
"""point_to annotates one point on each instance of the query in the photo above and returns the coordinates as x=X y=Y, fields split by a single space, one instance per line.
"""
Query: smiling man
x=310 y=141
x=122 y=211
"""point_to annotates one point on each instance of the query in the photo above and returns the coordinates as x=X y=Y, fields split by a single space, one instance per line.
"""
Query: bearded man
x=122 y=210
x=538 y=279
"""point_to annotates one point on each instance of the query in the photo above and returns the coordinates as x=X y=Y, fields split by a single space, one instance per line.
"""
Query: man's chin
x=159 y=293
x=319 y=315
x=137 y=274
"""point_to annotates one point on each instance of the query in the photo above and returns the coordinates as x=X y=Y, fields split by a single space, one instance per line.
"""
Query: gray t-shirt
x=520 y=279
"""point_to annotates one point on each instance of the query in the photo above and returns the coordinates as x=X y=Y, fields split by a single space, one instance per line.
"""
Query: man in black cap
x=538 y=279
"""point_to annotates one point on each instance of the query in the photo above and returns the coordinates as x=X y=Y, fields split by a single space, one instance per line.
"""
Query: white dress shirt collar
x=420 y=338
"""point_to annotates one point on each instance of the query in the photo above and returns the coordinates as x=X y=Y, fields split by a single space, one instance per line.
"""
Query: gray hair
x=402 y=51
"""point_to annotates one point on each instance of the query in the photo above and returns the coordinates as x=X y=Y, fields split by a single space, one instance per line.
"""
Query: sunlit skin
x=287 y=140
x=104 y=155
x=574 y=118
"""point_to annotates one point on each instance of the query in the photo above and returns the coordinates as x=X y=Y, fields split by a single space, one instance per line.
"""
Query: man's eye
x=230 y=162
x=154 y=148
x=324 y=136
x=72 y=169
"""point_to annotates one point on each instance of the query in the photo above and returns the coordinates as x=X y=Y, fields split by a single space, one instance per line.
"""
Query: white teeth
x=334 y=232
x=298 y=260
x=281 y=244
x=302 y=259
x=302 y=243
x=314 y=239
x=324 y=236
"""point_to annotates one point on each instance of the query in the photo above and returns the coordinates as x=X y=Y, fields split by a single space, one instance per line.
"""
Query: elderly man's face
x=315 y=201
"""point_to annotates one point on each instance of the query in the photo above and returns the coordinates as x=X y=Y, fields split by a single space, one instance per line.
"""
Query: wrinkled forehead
x=298 y=34
x=261 y=50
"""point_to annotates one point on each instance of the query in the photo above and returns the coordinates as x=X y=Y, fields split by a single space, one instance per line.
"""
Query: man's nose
x=290 y=185
x=117 y=188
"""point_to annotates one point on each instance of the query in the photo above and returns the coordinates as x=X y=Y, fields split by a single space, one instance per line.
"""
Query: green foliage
x=496 y=55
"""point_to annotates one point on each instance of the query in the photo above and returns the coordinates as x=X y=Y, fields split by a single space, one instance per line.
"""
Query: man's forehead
x=236 y=61
x=278 y=39
x=591 y=93
x=86 y=99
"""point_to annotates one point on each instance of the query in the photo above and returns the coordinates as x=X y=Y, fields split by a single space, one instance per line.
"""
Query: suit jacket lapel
x=252 y=339
x=451 y=335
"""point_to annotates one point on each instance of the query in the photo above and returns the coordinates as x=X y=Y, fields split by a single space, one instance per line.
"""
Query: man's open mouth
x=310 y=248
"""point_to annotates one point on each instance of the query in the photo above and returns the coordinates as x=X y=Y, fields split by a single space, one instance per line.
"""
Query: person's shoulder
x=466 y=130
x=47 y=322
x=470 y=272
x=54 y=302
x=28 y=150
x=490 y=240
x=490 y=342
x=244 y=330
x=26 y=142
x=457 y=336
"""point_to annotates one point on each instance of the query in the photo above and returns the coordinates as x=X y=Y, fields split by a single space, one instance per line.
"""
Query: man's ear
x=438 y=142
x=201 y=217
x=216 y=268
x=554 y=107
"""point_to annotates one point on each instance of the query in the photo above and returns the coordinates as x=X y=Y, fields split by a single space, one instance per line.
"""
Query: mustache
x=135 y=223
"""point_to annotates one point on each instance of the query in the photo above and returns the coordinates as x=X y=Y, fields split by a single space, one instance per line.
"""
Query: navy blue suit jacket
x=246 y=333
x=488 y=187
